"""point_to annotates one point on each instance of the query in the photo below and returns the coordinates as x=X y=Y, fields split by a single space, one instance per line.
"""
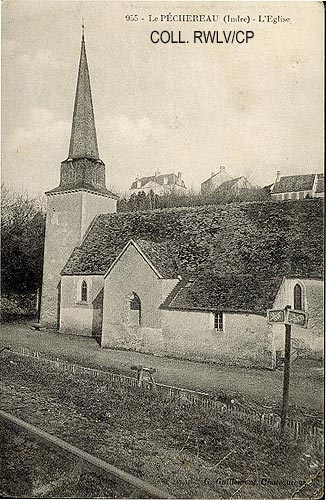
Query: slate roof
x=320 y=188
x=265 y=238
x=161 y=256
x=83 y=140
x=172 y=179
x=292 y=183
x=235 y=293
x=84 y=186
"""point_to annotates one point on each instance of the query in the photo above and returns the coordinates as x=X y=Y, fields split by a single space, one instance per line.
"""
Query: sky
x=254 y=108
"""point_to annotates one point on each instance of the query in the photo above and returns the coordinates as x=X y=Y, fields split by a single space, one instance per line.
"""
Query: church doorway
x=134 y=310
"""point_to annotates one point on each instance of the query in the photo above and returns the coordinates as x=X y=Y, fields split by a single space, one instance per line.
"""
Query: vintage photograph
x=162 y=249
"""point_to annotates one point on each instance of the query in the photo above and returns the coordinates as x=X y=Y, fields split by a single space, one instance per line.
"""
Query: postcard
x=162 y=249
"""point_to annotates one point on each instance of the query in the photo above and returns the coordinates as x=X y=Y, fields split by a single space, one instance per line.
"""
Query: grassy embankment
x=183 y=449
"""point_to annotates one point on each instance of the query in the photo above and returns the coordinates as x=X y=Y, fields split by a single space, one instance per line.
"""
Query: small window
x=134 y=310
x=297 y=297
x=83 y=291
x=218 y=321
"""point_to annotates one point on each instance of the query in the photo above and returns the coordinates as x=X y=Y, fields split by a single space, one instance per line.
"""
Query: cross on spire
x=83 y=141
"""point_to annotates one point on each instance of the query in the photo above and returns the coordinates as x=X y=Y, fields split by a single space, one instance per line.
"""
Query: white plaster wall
x=93 y=205
x=211 y=184
x=309 y=341
x=131 y=274
x=245 y=340
x=68 y=218
x=62 y=234
x=80 y=318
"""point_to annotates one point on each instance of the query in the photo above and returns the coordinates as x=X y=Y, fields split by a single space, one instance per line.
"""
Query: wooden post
x=286 y=380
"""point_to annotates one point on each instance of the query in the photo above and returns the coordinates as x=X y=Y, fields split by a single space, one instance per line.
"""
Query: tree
x=22 y=242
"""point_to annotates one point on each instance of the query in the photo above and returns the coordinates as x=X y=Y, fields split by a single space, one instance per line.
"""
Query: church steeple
x=83 y=170
x=83 y=140
x=72 y=206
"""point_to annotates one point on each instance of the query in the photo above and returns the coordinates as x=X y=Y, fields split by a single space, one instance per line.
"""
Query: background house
x=233 y=185
x=297 y=187
x=159 y=183
x=222 y=182
x=214 y=181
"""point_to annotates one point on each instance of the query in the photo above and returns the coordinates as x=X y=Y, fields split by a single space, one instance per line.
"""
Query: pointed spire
x=83 y=141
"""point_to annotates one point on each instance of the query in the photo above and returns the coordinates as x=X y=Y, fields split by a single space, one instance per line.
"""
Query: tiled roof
x=161 y=256
x=172 y=179
x=234 y=293
x=292 y=183
x=247 y=238
x=320 y=188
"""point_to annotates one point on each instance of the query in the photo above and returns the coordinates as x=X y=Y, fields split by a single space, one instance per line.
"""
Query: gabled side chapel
x=192 y=282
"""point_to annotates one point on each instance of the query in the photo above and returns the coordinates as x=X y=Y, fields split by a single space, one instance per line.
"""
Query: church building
x=193 y=283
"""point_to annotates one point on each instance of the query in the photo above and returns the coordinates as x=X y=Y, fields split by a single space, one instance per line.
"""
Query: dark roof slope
x=249 y=238
x=320 y=188
x=292 y=183
x=233 y=293
x=230 y=184
x=161 y=256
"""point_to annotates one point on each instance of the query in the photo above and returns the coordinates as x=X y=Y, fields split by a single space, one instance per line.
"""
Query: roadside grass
x=247 y=386
x=189 y=451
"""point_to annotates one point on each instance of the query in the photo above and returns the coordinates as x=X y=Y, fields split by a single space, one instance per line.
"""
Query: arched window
x=83 y=294
x=297 y=297
x=134 y=309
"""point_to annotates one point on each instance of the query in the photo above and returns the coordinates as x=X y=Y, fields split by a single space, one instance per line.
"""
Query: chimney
x=222 y=169
x=278 y=176
x=179 y=177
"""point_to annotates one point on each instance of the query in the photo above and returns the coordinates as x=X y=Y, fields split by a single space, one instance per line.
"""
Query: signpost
x=288 y=317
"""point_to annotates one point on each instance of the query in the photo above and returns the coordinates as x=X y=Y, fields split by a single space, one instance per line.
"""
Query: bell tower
x=80 y=196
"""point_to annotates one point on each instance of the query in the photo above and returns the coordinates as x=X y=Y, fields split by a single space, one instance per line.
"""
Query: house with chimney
x=214 y=181
x=298 y=187
x=159 y=183
x=192 y=283
x=223 y=182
